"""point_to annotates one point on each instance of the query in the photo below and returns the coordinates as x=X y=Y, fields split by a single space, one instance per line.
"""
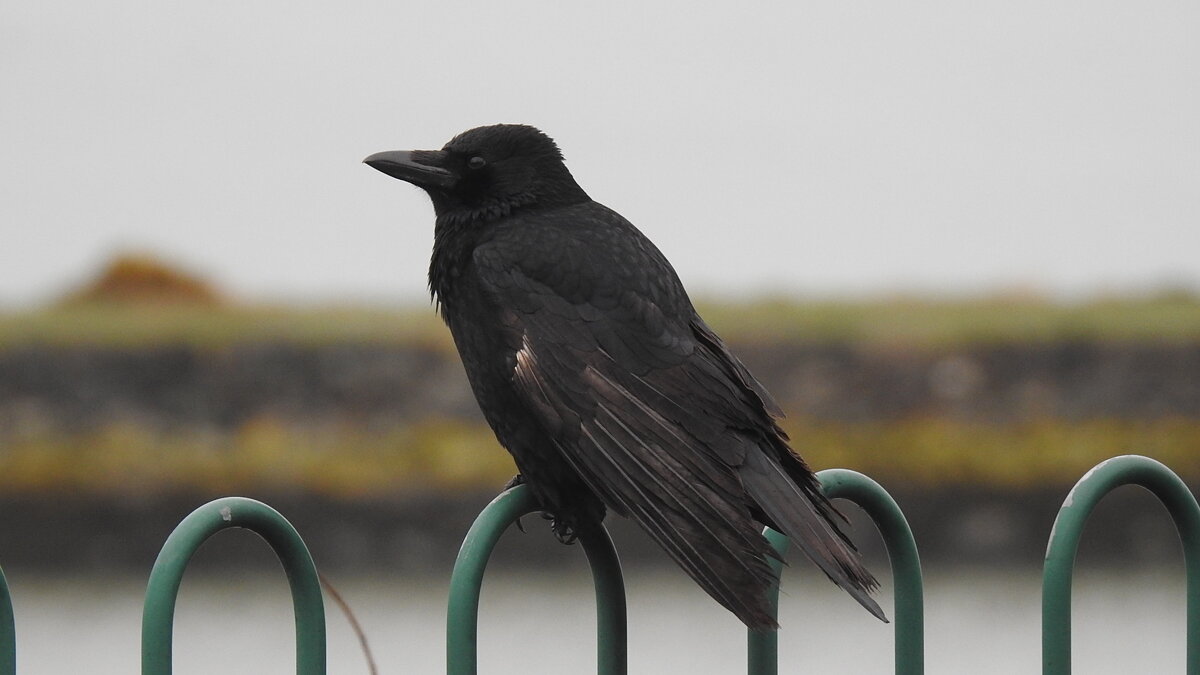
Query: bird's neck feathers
x=549 y=186
x=454 y=239
x=461 y=216
x=459 y=227
x=456 y=232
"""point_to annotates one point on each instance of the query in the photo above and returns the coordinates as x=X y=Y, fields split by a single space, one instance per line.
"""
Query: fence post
x=1064 y=541
x=462 y=617
x=762 y=647
x=909 y=613
x=8 y=630
x=158 y=615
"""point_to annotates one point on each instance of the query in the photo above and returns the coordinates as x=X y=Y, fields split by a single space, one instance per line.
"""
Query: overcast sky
x=806 y=147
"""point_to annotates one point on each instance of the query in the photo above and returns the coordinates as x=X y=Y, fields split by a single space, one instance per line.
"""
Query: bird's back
x=597 y=374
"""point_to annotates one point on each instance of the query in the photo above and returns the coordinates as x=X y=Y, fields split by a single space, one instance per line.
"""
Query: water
x=976 y=622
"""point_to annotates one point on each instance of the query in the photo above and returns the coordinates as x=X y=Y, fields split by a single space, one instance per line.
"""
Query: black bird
x=597 y=374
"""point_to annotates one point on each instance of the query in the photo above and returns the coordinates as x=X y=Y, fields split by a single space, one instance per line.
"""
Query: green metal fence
x=462 y=616
x=762 y=647
x=8 y=630
x=158 y=614
x=1064 y=540
x=909 y=616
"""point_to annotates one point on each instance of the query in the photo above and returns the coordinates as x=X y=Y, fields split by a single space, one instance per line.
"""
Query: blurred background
x=958 y=243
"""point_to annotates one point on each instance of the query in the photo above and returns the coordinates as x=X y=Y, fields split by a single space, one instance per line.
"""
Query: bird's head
x=486 y=172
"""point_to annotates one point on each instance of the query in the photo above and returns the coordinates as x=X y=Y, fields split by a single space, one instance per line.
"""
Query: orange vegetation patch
x=143 y=279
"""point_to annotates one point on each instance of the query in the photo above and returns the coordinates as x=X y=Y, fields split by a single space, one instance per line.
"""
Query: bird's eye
x=476 y=163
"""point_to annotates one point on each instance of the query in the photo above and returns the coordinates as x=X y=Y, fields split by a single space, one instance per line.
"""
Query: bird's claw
x=563 y=531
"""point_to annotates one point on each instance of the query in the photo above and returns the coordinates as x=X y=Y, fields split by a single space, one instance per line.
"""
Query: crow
x=595 y=372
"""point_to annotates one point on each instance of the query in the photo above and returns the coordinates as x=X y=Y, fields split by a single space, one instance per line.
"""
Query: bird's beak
x=423 y=168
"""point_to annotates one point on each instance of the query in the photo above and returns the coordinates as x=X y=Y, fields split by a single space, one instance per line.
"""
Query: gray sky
x=812 y=148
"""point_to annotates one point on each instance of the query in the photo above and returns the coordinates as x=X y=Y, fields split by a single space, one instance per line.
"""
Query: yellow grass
x=265 y=455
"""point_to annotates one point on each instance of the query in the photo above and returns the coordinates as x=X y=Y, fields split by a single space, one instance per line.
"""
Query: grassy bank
x=1174 y=317
x=938 y=323
x=136 y=455
x=140 y=325
x=266 y=456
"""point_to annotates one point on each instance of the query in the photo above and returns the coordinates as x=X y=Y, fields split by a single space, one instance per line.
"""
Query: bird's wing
x=606 y=356
x=651 y=410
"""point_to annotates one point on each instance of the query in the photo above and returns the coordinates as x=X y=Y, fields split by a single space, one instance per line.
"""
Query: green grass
x=900 y=321
x=911 y=321
x=132 y=325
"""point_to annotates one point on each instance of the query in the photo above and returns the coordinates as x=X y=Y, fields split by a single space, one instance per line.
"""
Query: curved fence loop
x=158 y=614
x=462 y=618
x=1064 y=541
x=909 y=614
x=8 y=631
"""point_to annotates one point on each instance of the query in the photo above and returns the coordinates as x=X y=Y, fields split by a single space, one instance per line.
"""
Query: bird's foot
x=564 y=531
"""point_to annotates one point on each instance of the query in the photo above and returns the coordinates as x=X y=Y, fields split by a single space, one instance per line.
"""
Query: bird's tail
x=803 y=517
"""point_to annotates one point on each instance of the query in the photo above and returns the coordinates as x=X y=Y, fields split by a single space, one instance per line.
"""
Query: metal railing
x=1064 y=540
x=8 y=630
x=466 y=581
x=909 y=595
x=908 y=619
x=612 y=652
x=158 y=614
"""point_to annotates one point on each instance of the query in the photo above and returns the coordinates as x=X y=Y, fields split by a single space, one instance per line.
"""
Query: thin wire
x=362 y=637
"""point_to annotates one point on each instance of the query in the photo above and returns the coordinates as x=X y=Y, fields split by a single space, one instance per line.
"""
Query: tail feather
x=797 y=516
x=711 y=542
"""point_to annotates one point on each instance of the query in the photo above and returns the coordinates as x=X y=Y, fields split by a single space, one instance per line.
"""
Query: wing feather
x=653 y=413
